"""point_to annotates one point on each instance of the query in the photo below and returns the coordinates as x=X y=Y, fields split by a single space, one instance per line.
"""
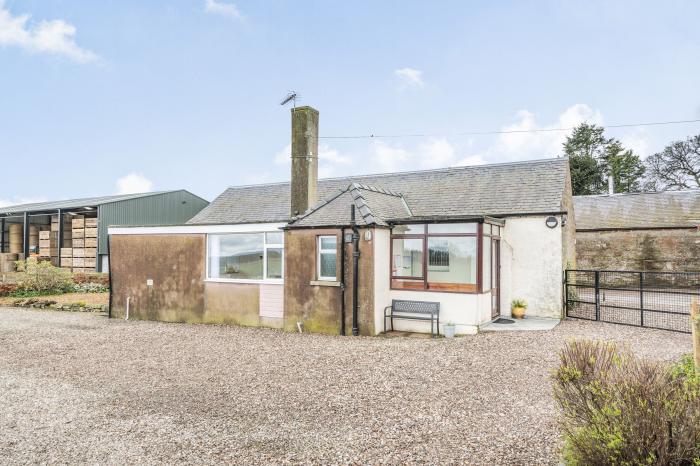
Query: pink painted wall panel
x=272 y=301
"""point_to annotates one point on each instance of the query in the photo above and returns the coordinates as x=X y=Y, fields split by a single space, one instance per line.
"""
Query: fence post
x=641 y=299
x=597 y=295
x=695 y=331
x=566 y=292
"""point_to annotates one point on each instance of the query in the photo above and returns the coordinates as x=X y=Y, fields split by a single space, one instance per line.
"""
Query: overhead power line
x=510 y=131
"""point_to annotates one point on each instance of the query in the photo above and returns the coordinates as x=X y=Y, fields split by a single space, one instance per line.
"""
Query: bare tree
x=677 y=166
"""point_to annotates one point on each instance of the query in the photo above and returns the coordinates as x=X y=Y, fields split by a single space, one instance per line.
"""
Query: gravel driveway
x=79 y=388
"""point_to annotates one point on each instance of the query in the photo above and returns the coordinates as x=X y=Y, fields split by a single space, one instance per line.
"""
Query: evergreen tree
x=593 y=157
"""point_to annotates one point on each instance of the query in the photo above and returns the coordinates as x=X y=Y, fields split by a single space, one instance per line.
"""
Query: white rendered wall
x=531 y=266
x=466 y=311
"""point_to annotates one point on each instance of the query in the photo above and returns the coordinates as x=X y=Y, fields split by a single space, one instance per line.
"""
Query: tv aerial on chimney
x=291 y=97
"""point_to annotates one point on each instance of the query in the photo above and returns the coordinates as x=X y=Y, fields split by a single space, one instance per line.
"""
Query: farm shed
x=73 y=233
x=639 y=231
x=283 y=254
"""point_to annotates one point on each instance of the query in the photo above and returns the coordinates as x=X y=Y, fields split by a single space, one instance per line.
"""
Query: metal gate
x=659 y=300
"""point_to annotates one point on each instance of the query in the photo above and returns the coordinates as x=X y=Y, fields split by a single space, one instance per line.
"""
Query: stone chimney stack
x=304 y=159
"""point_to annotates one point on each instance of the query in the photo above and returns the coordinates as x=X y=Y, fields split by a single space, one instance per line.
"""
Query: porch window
x=327 y=258
x=439 y=257
x=245 y=256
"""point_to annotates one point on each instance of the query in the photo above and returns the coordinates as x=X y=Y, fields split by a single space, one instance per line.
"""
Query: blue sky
x=101 y=97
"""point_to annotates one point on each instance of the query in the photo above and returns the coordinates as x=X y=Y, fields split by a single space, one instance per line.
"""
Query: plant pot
x=449 y=331
x=517 y=312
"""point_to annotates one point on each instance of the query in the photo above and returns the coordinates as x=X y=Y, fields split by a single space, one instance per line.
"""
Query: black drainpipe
x=342 y=281
x=355 y=270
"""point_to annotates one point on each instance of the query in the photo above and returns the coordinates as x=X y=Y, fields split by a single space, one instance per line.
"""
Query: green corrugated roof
x=75 y=203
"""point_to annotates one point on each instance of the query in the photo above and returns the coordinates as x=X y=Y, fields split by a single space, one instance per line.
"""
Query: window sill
x=324 y=283
x=248 y=281
x=411 y=290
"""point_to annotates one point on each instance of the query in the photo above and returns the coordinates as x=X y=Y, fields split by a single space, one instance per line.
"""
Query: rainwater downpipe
x=128 y=299
x=342 y=281
x=355 y=270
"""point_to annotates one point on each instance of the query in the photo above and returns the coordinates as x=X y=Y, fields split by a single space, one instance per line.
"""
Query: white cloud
x=433 y=153
x=328 y=159
x=537 y=140
x=389 y=158
x=409 y=78
x=21 y=200
x=638 y=142
x=52 y=37
x=134 y=183
x=222 y=8
x=436 y=153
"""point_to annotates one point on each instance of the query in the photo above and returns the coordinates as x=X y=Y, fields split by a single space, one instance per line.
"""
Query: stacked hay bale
x=16 y=238
x=34 y=240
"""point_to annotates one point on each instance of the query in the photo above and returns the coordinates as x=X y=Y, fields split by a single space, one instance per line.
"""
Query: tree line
x=594 y=158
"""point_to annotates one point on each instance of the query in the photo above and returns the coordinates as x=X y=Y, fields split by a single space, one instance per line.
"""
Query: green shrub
x=43 y=278
x=622 y=410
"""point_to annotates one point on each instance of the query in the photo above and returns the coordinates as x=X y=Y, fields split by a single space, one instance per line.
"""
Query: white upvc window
x=247 y=257
x=326 y=263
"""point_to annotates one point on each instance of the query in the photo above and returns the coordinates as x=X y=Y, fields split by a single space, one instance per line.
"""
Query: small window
x=409 y=229
x=275 y=258
x=327 y=257
x=452 y=228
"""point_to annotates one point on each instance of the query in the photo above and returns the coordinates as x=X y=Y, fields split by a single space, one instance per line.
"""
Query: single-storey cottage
x=639 y=231
x=330 y=255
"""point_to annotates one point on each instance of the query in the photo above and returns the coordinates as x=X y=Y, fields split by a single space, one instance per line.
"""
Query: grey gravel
x=79 y=388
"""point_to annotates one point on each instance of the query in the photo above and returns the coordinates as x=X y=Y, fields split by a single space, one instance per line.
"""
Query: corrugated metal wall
x=161 y=209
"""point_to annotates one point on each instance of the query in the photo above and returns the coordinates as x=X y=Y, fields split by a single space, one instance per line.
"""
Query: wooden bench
x=414 y=310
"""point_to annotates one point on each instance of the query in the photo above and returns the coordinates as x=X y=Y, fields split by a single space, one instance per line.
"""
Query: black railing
x=659 y=300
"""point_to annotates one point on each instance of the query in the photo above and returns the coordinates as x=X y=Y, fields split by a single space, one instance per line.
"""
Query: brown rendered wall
x=176 y=264
x=661 y=250
x=319 y=306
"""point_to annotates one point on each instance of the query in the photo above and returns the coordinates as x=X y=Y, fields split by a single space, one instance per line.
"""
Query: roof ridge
x=668 y=191
x=410 y=172
x=361 y=204
x=104 y=199
x=376 y=189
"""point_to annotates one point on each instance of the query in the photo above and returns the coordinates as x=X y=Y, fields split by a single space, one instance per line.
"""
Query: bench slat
x=425 y=307
x=414 y=310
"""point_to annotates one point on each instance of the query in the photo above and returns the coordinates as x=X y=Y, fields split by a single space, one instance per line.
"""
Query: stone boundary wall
x=671 y=250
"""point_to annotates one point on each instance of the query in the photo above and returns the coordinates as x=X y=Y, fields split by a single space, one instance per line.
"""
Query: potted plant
x=517 y=308
x=449 y=330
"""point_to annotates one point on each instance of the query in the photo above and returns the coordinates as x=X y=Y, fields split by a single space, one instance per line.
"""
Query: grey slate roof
x=74 y=203
x=373 y=206
x=496 y=190
x=639 y=210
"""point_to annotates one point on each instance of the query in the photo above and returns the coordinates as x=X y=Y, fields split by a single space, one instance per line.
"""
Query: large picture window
x=440 y=257
x=246 y=256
